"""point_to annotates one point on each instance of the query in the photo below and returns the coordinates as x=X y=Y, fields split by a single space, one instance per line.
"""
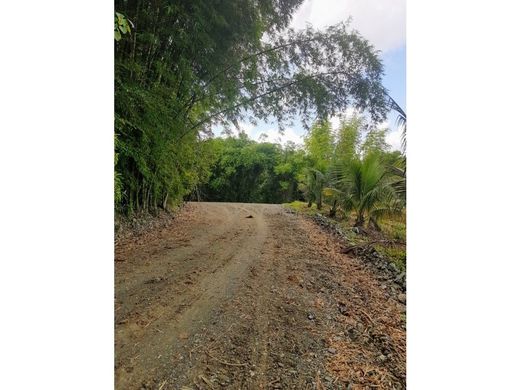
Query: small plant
x=395 y=254
x=121 y=26
x=302 y=207
x=394 y=229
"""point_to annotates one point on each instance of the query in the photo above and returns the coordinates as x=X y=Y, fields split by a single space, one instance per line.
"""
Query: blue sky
x=395 y=81
x=383 y=23
x=395 y=74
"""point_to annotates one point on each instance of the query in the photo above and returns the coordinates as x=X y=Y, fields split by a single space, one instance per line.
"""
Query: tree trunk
x=309 y=203
x=333 y=209
x=143 y=198
x=130 y=207
x=149 y=204
x=165 y=201
x=374 y=224
x=360 y=220
x=154 y=202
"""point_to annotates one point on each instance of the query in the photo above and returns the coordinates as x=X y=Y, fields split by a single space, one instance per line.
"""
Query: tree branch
x=274 y=90
x=257 y=54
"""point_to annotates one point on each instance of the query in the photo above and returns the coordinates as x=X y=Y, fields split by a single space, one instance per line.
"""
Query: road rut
x=245 y=296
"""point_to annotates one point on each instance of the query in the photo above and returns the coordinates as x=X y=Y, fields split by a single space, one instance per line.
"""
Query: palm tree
x=400 y=171
x=366 y=188
x=316 y=181
x=401 y=120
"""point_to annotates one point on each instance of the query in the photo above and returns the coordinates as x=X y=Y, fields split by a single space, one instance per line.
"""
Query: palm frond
x=330 y=191
x=400 y=121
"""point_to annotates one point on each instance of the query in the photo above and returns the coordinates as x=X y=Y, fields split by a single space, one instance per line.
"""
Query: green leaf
x=117 y=35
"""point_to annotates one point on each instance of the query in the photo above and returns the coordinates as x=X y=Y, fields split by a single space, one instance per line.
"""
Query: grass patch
x=352 y=237
x=394 y=229
x=396 y=254
x=301 y=207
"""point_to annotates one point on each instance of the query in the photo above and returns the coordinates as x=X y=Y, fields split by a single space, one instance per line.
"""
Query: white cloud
x=382 y=22
x=247 y=128
x=335 y=120
x=382 y=125
x=394 y=139
x=274 y=136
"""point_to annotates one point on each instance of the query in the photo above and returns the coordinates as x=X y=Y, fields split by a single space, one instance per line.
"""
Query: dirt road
x=249 y=296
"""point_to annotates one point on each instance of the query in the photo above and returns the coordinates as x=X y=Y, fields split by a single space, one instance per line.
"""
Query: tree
x=290 y=172
x=401 y=120
x=247 y=171
x=316 y=182
x=187 y=65
x=365 y=189
x=348 y=139
x=375 y=141
x=121 y=26
x=345 y=150
x=319 y=146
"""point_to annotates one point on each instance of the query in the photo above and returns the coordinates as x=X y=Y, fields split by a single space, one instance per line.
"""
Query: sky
x=383 y=23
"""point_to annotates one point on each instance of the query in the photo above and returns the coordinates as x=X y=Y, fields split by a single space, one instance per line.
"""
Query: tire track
x=153 y=347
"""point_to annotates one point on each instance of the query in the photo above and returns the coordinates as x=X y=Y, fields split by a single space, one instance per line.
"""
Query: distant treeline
x=253 y=172
x=351 y=169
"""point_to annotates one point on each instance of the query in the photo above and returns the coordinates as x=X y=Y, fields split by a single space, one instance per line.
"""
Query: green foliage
x=375 y=142
x=366 y=189
x=319 y=145
x=395 y=228
x=348 y=139
x=396 y=255
x=118 y=185
x=316 y=182
x=398 y=169
x=247 y=171
x=302 y=208
x=188 y=65
x=298 y=205
x=401 y=121
x=289 y=172
x=121 y=26
x=353 y=173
